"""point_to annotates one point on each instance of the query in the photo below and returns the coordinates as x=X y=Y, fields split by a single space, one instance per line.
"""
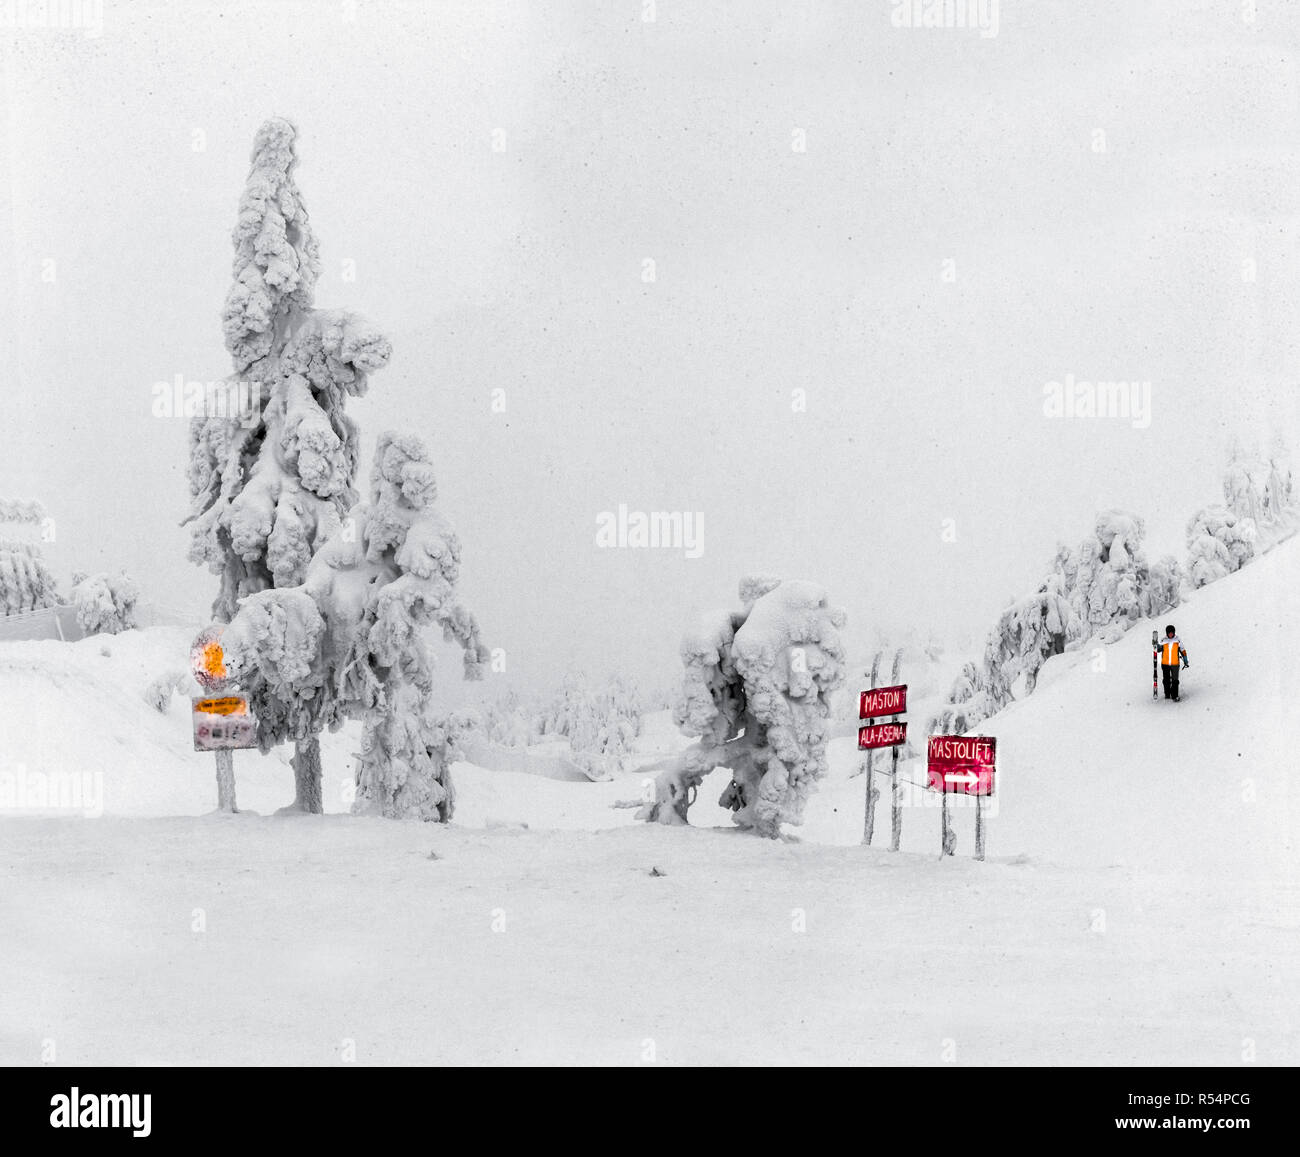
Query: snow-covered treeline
x=1100 y=587
x=1106 y=584
x=600 y=721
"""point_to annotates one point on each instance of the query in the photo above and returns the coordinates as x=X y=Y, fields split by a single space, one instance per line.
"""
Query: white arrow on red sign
x=966 y=764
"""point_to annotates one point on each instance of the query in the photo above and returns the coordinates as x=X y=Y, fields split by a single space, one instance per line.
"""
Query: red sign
x=881 y=735
x=962 y=763
x=882 y=701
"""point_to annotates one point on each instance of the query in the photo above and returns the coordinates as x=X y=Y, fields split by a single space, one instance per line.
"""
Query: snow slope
x=1140 y=903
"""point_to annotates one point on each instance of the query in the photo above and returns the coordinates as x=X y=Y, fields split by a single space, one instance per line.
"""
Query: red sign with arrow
x=962 y=763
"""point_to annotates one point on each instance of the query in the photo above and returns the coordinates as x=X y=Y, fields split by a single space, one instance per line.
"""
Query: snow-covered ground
x=1140 y=904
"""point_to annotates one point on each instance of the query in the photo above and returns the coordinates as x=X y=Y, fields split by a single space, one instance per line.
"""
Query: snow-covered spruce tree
x=970 y=701
x=351 y=641
x=756 y=692
x=1279 y=493
x=1026 y=635
x=1259 y=490
x=1218 y=543
x=1241 y=488
x=1108 y=581
x=105 y=602
x=269 y=487
x=26 y=583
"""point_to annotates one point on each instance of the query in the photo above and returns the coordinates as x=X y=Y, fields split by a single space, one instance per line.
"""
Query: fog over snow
x=488 y=181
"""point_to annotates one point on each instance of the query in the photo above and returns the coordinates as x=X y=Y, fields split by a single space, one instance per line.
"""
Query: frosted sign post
x=222 y=720
x=873 y=703
x=965 y=764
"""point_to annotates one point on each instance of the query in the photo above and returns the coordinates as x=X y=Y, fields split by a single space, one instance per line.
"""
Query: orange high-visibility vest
x=1169 y=652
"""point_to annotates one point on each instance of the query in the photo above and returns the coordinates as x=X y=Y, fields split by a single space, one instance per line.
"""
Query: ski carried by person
x=1155 y=664
x=1171 y=655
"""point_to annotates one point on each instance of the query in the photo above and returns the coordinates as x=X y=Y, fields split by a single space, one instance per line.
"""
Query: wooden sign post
x=965 y=764
x=874 y=702
x=869 y=820
x=222 y=721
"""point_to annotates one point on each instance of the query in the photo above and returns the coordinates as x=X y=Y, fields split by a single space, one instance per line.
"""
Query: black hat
x=1169 y=630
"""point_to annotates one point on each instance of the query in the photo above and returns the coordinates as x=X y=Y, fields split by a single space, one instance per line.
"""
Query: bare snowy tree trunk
x=448 y=804
x=672 y=799
x=226 y=781
x=873 y=794
x=869 y=817
x=895 y=806
x=307 y=775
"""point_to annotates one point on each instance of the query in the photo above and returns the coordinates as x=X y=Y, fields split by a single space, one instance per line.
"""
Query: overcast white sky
x=775 y=270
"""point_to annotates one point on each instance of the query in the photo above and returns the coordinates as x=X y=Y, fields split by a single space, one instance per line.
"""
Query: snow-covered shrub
x=1218 y=543
x=159 y=692
x=105 y=602
x=26 y=583
x=600 y=723
x=351 y=641
x=508 y=721
x=1165 y=585
x=756 y=692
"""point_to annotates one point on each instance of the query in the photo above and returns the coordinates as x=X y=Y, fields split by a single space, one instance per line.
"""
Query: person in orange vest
x=1172 y=654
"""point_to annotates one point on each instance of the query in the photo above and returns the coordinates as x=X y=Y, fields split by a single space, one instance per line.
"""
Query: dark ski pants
x=1171 y=680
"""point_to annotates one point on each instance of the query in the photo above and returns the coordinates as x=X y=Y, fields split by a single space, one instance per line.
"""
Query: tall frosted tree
x=1028 y=633
x=351 y=641
x=271 y=485
x=756 y=692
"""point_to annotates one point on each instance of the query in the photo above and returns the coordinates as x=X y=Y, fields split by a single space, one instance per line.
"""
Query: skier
x=1171 y=652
